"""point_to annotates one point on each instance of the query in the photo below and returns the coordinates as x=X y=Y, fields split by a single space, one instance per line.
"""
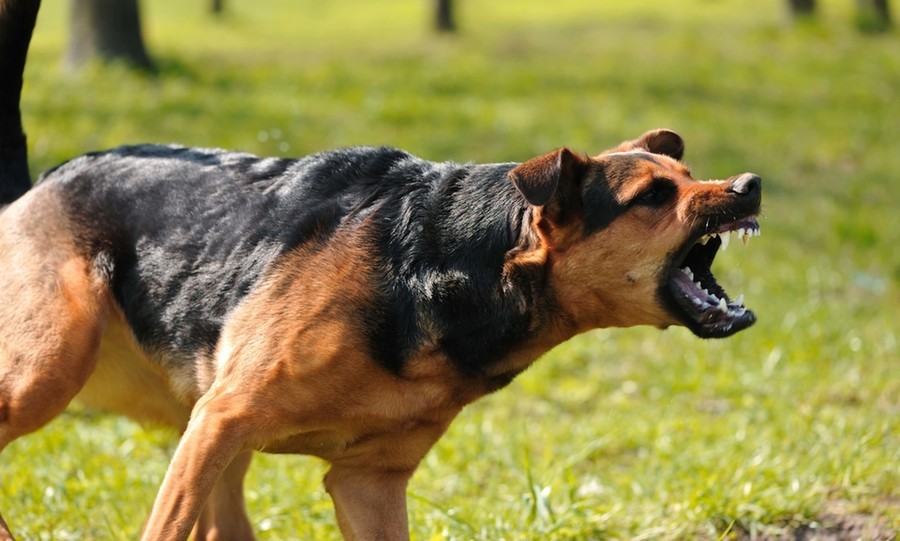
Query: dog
x=346 y=305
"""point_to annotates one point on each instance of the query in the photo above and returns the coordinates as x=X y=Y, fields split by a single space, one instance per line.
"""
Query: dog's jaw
x=691 y=289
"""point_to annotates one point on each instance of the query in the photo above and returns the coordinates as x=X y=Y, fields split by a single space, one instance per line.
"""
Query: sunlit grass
x=618 y=434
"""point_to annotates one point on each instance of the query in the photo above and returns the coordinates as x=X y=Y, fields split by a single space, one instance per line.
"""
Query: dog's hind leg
x=51 y=317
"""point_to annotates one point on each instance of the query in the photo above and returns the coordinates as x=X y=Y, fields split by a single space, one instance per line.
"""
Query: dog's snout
x=747 y=184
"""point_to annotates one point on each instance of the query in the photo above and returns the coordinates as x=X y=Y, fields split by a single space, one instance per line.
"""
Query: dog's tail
x=17 y=18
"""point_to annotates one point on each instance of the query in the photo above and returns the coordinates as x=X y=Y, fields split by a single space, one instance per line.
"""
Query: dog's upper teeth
x=705 y=238
x=743 y=233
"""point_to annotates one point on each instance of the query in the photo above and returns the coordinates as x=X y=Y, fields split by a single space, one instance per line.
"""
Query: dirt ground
x=837 y=523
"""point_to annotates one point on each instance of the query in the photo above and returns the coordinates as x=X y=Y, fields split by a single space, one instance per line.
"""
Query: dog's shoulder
x=442 y=275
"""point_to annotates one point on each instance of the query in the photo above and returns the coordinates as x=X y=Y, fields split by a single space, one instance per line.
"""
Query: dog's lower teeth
x=723 y=306
x=740 y=300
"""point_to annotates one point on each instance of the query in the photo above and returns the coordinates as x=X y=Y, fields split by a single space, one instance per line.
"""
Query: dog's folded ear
x=665 y=142
x=540 y=178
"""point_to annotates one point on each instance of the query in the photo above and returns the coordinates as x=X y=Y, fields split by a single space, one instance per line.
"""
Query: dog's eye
x=660 y=191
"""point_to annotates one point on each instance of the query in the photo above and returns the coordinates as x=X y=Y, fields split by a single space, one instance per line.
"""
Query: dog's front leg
x=370 y=503
x=224 y=518
x=368 y=482
x=215 y=436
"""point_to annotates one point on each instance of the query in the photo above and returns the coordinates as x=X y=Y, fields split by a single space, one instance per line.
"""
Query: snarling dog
x=345 y=305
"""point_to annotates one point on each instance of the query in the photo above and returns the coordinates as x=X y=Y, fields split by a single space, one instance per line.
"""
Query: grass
x=631 y=434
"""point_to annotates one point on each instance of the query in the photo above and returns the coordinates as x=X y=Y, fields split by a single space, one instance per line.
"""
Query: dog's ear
x=661 y=141
x=539 y=179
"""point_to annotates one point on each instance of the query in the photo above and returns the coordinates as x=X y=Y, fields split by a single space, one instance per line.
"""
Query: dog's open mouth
x=703 y=305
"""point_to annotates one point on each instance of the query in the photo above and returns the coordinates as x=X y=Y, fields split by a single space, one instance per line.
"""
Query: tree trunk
x=801 y=8
x=218 y=7
x=107 y=30
x=17 y=18
x=874 y=14
x=443 y=21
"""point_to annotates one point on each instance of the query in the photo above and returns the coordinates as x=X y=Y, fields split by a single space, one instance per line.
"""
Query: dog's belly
x=126 y=381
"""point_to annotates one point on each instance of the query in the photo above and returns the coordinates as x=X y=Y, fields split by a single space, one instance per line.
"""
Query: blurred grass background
x=631 y=434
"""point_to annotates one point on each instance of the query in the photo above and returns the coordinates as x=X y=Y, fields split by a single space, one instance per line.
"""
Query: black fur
x=602 y=206
x=185 y=234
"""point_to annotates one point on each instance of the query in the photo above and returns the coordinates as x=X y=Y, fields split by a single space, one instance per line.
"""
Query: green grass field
x=619 y=434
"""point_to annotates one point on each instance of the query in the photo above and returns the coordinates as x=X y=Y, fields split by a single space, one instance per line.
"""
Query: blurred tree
x=800 y=8
x=443 y=20
x=17 y=19
x=108 y=30
x=218 y=7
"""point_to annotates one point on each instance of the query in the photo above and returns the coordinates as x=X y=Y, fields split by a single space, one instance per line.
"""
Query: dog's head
x=631 y=236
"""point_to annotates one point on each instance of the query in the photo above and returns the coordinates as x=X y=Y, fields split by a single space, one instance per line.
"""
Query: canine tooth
x=723 y=306
x=740 y=300
x=726 y=238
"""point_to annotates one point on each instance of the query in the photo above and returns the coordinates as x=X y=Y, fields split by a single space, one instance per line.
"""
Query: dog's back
x=175 y=238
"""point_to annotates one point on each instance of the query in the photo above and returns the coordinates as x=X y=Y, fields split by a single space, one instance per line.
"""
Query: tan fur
x=128 y=382
x=51 y=318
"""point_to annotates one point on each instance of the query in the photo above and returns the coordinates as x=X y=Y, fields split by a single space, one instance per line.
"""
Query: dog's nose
x=746 y=184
